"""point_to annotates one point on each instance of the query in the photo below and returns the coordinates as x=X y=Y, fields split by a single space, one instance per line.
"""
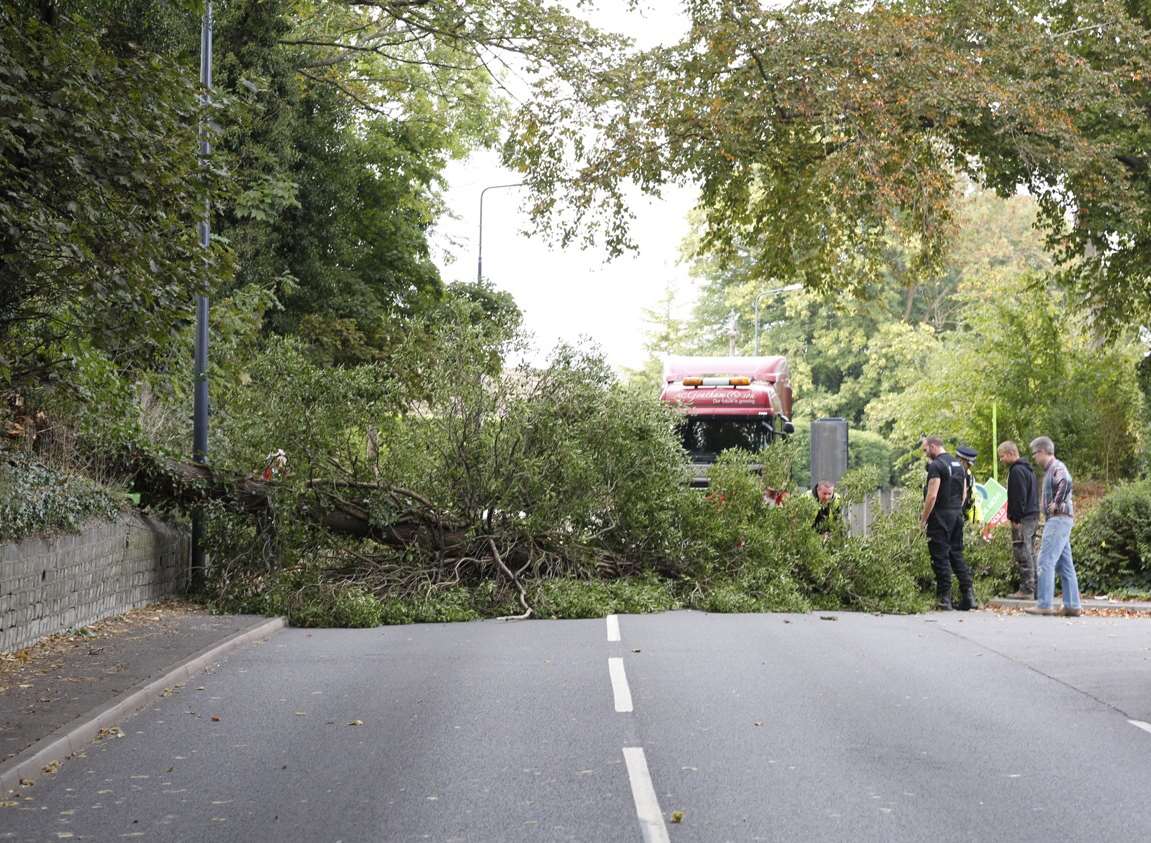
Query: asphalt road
x=755 y=727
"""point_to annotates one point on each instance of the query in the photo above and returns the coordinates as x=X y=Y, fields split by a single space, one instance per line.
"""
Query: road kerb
x=80 y=733
x=1138 y=607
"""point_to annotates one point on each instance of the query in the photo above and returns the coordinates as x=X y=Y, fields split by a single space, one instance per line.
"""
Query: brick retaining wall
x=55 y=583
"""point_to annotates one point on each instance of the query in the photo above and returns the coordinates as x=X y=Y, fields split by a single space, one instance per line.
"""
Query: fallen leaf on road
x=51 y=768
x=356 y=723
x=828 y=618
x=677 y=816
x=301 y=714
x=216 y=718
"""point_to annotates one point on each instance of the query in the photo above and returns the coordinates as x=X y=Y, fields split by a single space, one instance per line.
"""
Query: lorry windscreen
x=704 y=437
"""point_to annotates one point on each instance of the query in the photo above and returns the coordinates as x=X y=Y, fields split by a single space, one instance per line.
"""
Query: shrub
x=884 y=570
x=457 y=603
x=1112 y=544
x=991 y=562
x=570 y=598
x=304 y=595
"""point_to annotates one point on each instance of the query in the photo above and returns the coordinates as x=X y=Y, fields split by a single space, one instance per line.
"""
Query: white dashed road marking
x=643 y=792
x=612 y=628
x=619 y=688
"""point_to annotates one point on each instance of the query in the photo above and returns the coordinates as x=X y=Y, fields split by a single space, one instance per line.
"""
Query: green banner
x=991 y=498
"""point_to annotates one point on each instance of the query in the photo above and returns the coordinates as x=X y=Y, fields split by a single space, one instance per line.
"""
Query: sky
x=573 y=293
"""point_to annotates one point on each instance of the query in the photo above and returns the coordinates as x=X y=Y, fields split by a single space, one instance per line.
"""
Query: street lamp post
x=480 y=250
x=200 y=364
x=788 y=289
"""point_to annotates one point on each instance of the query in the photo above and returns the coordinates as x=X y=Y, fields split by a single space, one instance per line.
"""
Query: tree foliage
x=1023 y=349
x=820 y=131
x=101 y=190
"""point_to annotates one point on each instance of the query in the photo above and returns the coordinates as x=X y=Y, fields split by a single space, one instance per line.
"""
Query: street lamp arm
x=480 y=244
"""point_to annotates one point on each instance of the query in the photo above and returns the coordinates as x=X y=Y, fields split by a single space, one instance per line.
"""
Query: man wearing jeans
x=1055 y=550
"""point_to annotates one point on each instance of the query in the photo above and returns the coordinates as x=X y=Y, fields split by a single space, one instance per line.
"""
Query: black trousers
x=945 y=543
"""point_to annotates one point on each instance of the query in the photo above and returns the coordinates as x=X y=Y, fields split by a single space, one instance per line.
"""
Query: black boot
x=943 y=601
x=968 y=602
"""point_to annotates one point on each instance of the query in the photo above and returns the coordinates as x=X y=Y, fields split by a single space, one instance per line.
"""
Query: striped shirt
x=1057 y=490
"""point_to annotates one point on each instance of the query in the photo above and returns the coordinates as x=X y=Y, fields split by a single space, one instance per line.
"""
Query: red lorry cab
x=728 y=402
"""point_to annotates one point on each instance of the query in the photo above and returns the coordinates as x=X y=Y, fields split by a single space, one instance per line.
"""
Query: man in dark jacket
x=942 y=519
x=1023 y=513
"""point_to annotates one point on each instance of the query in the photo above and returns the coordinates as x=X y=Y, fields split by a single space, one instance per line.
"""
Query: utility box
x=828 y=450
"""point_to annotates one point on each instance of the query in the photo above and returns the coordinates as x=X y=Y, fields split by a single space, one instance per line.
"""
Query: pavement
x=67 y=690
x=680 y=725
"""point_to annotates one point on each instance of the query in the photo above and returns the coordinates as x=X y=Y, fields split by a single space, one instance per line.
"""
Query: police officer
x=942 y=518
x=967 y=456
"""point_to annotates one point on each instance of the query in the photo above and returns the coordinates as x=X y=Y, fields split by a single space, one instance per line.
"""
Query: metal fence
x=862 y=515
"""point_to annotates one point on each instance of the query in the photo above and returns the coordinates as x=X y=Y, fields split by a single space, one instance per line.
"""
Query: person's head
x=824 y=490
x=1008 y=452
x=1043 y=450
x=932 y=447
x=967 y=455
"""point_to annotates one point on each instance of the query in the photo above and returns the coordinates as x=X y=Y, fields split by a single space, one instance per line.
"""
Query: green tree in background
x=1022 y=347
x=849 y=350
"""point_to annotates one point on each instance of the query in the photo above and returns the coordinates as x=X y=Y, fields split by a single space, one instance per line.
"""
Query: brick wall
x=51 y=584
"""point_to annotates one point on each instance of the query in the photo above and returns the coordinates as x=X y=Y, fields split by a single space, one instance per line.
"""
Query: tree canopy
x=821 y=131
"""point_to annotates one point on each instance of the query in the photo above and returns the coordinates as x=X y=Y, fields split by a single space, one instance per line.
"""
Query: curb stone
x=80 y=733
x=1130 y=606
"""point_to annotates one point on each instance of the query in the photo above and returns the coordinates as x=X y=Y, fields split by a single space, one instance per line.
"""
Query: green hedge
x=1112 y=544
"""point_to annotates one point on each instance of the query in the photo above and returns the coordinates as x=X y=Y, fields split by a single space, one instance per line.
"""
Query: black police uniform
x=945 y=526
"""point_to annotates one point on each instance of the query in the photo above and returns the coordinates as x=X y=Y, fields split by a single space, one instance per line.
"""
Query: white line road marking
x=613 y=628
x=643 y=792
x=619 y=687
x=1139 y=724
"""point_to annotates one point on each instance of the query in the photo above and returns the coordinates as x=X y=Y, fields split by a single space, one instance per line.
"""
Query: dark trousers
x=1023 y=549
x=945 y=543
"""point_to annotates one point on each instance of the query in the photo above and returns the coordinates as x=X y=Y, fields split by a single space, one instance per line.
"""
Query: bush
x=884 y=570
x=1112 y=544
x=304 y=595
x=991 y=562
x=36 y=498
x=458 y=603
x=570 y=598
